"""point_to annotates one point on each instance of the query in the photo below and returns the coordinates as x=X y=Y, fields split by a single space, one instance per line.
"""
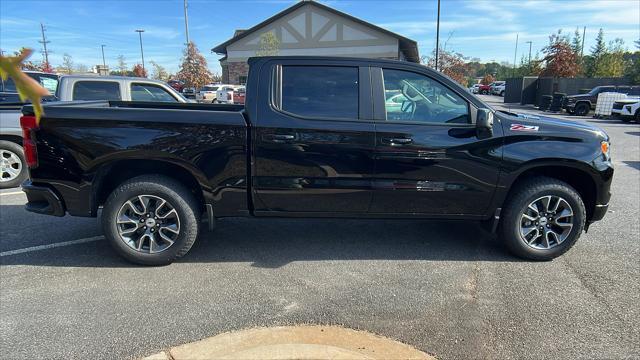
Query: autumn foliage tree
x=139 y=71
x=487 y=79
x=193 y=70
x=560 y=59
x=451 y=64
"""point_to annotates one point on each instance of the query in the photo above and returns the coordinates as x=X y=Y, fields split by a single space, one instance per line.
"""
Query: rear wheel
x=13 y=169
x=151 y=220
x=502 y=93
x=543 y=219
x=582 y=109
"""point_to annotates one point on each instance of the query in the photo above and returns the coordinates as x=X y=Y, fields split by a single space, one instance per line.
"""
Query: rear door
x=313 y=138
x=429 y=158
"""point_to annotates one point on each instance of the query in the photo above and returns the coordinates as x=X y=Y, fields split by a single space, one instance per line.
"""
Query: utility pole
x=515 y=54
x=438 y=36
x=140 y=31
x=186 y=22
x=104 y=63
x=529 y=63
x=44 y=43
x=584 y=31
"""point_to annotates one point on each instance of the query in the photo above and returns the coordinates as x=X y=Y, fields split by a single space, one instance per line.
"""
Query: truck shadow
x=273 y=243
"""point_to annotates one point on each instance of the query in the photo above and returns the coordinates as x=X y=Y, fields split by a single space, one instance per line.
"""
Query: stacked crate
x=605 y=103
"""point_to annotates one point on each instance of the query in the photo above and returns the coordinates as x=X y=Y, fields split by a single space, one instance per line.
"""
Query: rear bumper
x=42 y=200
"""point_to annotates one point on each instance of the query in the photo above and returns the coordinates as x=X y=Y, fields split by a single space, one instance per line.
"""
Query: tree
x=487 y=79
x=67 y=64
x=451 y=64
x=46 y=67
x=122 y=65
x=25 y=64
x=612 y=62
x=560 y=60
x=269 y=45
x=576 y=42
x=81 y=68
x=139 y=71
x=193 y=70
x=598 y=51
x=159 y=72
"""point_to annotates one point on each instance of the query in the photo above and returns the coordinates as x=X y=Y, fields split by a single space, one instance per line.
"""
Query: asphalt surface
x=446 y=288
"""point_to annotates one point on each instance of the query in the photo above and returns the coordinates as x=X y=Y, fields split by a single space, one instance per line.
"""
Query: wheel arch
x=115 y=173
x=578 y=178
x=12 y=138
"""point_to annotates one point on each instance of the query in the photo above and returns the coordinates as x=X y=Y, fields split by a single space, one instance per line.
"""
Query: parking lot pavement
x=444 y=287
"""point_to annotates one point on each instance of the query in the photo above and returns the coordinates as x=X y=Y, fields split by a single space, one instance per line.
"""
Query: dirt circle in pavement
x=294 y=342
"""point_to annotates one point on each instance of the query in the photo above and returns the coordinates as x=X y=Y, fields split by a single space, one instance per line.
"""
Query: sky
x=476 y=28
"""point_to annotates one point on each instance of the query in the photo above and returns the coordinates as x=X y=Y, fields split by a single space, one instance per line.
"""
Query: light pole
x=529 y=63
x=104 y=63
x=140 y=31
x=186 y=22
x=438 y=36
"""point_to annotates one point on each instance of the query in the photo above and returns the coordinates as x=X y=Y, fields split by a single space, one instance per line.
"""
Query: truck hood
x=578 y=96
x=514 y=124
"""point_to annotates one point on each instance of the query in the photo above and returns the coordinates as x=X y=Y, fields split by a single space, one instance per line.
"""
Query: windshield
x=209 y=88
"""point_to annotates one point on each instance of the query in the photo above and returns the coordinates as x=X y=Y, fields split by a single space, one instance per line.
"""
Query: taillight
x=28 y=125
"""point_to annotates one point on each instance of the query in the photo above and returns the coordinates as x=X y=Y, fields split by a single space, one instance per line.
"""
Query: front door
x=429 y=159
x=314 y=140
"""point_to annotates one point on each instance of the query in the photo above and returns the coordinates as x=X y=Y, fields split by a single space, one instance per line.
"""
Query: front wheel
x=582 y=109
x=13 y=169
x=542 y=219
x=151 y=220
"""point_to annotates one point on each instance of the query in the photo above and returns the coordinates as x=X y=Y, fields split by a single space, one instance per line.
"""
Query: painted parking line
x=11 y=193
x=51 y=246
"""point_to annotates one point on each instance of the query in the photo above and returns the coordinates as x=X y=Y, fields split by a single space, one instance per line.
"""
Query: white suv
x=627 y=109
x=224 y=95
x=498 y=88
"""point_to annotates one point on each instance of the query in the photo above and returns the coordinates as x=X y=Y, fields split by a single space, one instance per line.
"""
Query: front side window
x=417 y=98
x=96 y=90
x=148 y=92
x=329 y=92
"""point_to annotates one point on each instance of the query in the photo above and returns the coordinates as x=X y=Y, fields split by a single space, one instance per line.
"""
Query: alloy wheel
x=546 y=222
x=10 y=165
x=148 y=224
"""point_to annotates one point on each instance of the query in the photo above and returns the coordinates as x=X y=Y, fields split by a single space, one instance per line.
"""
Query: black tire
x=6 y=149
x=625 y=119
x=523 y=195
x=177 y=195
x=502 y=93
x=582 y=109
x=637 y=116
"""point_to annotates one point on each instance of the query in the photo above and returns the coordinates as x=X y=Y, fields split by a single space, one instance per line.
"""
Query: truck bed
x=84 y=148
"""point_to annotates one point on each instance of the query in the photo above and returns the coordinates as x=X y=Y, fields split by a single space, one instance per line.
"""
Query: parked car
x=207 y=93
x=189 y=93
x=176 y=84
x=484 y=89
x=497 y=88
x=627 y=109
x=224 y=95
x=474 y=88
x=583 y=103
x=239 y=95
x=317 y=141
x=69 y=88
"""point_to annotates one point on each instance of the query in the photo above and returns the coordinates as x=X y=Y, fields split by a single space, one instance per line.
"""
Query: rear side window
x=329 y=92
x=148 y=92
x=96 y=90
x=9 y=86
x=635 y=91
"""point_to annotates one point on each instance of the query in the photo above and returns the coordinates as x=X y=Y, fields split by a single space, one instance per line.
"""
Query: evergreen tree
x=597 y=53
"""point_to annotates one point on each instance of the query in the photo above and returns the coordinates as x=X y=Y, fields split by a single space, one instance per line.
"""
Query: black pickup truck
x=318 y=137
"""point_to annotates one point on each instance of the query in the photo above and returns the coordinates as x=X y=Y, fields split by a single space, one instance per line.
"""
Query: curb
x=293 y=342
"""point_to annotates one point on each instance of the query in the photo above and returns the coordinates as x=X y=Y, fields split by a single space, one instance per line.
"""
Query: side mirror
x=484 y=122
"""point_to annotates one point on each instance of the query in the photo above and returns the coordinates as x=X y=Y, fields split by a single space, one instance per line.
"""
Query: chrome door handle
x=397 y=141
x=278 y=138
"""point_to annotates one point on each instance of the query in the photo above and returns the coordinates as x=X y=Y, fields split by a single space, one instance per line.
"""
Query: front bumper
x=42 y=200
x=599 y=212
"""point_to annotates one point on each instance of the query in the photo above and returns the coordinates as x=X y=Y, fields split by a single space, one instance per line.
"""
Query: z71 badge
x=520 y=127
